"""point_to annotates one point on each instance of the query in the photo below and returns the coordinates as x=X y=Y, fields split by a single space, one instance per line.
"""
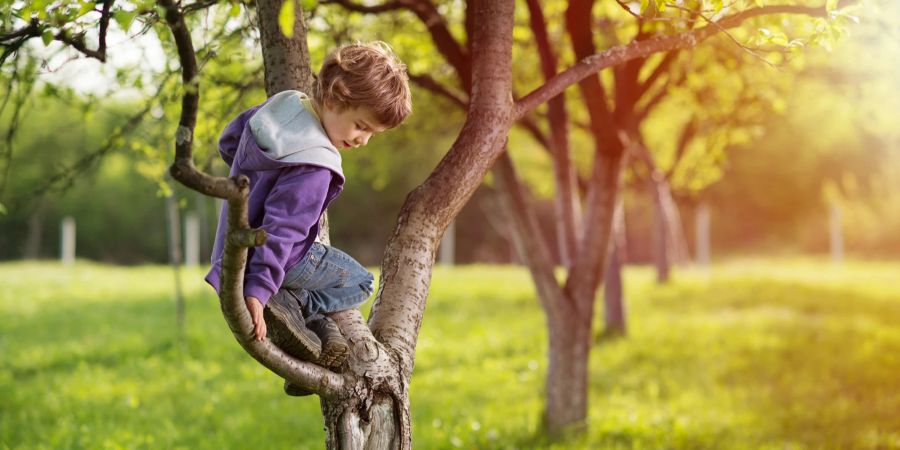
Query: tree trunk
x=567 y=374
x=174 y=233
x=286 y=59
x=447 y=250
x=677 y=240
x=191 y=239
x=702 y=228
x=836 y=234
x=202 y=210
x=659 y=229
x=33 y=240
x=569 y=331
x=67 y=242
x=613 y=289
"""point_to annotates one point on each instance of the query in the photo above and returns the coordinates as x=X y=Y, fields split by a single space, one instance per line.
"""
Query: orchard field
x=754 y=353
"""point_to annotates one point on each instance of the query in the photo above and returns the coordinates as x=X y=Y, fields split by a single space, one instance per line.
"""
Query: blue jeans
x=327 y=280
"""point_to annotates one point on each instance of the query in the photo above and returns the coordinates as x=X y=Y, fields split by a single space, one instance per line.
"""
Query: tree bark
x=286 y=60
x=567 y=374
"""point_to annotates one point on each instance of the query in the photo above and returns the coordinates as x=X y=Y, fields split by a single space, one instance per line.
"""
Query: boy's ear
x=331 y=106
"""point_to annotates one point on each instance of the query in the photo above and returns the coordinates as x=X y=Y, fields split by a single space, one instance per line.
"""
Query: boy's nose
x=363 y=140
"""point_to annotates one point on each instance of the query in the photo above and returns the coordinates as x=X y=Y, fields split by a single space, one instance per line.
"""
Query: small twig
x=726 y=32
x=198 y=6
x=629 y=11
x=376 y=9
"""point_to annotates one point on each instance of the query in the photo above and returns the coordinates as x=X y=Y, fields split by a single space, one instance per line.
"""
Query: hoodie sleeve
x=231 y=137
x=291 y=210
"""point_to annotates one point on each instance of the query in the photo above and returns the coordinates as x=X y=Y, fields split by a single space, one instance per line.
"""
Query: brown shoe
x=287 y=328
x=334 y=345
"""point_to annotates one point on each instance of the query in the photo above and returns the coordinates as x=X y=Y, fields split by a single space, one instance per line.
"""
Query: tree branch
x=533 y=252
x=687 y=134
x=660 y=69
x=566 y=202
x=647 y=108
x=430 y=84
x=374 y=9
x=197 y=6
x=639 y=49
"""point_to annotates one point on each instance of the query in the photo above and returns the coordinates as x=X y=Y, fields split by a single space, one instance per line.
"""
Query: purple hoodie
x=295 y=173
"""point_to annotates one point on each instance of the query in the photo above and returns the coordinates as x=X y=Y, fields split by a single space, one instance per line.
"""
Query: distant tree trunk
x=67 y=243
x=678 y=247
x=836 y=233
x=191 y=239
x=201 y=206
x=702 y=228
x=33 y=240
x=491 y=207
x=669 y=243
x=613 y=289
x=660 y=230
x=174 y=231
x=447 y=250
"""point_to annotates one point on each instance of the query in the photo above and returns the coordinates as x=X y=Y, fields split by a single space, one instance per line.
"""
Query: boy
x=289 y=148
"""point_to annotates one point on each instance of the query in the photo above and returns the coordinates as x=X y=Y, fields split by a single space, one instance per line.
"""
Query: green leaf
x=779 y=39
x=308 y=4
x=644 y=5
x=660 y=5
x=2 y=209
x=286 y=18
x=124 y=18
x=717 y=5
x=831 y=5
x=85 y=8
x=235 y=10
x=47 y=37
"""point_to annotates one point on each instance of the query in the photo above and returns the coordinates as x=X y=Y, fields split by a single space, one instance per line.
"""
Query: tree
x=569 y=307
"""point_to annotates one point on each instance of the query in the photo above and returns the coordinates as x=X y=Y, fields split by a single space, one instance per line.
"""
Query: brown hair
x=366 y=75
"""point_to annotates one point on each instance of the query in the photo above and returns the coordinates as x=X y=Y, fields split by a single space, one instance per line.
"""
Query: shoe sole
x=334 y=352
x=287 y=336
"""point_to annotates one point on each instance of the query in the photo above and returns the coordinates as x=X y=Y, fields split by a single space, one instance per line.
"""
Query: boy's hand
x=256 y=313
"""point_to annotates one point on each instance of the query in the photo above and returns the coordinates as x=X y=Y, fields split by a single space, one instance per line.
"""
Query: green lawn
x=773 y=354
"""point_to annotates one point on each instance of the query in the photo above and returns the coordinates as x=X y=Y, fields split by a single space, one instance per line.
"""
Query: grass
x=754 y=354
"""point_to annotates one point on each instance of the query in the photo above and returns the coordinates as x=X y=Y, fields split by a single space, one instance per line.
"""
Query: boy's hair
x=366 y=75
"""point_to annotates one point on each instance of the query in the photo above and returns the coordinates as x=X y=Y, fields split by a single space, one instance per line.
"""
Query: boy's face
x=350 y=127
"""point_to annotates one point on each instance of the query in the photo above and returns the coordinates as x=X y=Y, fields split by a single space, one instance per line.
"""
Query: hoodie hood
x=286 y=133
